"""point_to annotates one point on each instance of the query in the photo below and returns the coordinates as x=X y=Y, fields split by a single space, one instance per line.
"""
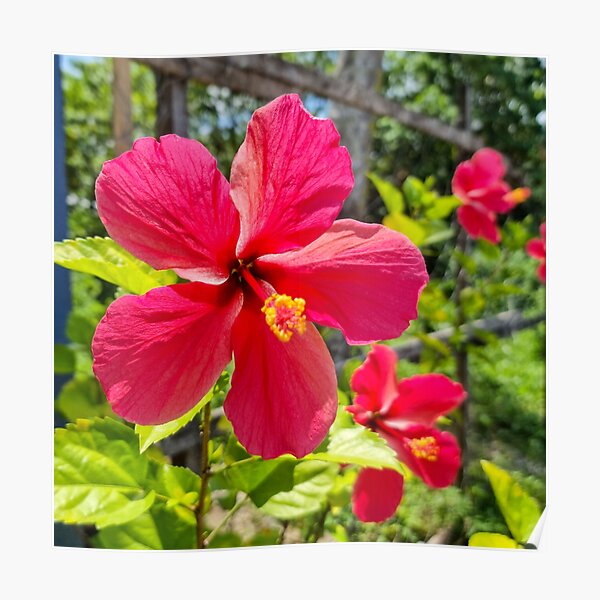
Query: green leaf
x=434 y=344
x=390 y=194
x=100 y=478
x=520 y=511
x=466 y=261
x=64 y=359
x=150 y=434
x=261 y=479
x=492 y=540
x=414 y=189
x=442 y=207
x=358 y=446
x=161 y=528
x=81 y=328
x=82 y=397
x=179 y=484
x=439 y=236
x=312 y=482
x=105 y=259
x=409 y=227
x=96 y=474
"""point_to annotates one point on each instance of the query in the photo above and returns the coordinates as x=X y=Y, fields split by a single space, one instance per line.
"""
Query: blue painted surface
x=64 y=535
x=62 y=293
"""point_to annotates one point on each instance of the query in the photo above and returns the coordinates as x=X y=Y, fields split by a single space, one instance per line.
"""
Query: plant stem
x=462 y=357
x=204 y=475
x=226 y=518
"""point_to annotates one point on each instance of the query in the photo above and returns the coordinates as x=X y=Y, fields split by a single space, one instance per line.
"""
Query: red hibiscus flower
x=536 y=248
x=403 y=413
x=479 y=184
x=264 y=258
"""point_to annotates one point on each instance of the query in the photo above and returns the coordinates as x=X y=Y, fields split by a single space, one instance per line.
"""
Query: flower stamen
x=425 y=448
x=285 y=315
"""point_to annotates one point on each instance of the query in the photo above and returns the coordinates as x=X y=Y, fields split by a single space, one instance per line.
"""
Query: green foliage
x=492 y=540
x=104 y=258
x=392 y=197
x=260 y=479
x=358 y=446
x=64 y=359
x=82 y=397
x=100 y=478
x=313 y=480
x=518 y=508
x=161 y=528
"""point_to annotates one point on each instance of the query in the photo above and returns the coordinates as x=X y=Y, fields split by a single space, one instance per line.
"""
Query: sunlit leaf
x=492 y=540
x=358 y=446
x=105 y=259
x=520 y=511
x=389 y=193
x=415 y=232
x=312 y=482
x=442 y=207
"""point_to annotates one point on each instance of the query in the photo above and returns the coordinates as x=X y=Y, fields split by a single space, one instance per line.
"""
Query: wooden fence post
x=171 y=104
x=122 y=121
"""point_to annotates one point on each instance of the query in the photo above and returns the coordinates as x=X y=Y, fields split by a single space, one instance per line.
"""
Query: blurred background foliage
x=507 y=376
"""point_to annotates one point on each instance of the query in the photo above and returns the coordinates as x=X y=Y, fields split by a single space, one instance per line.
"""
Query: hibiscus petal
x=495 y=198
x=167 y=203
x=283 y=396
x=488 y=165
x=479 y=223
x=364 y=279
x=375 y=380
x=156 y=355
x=377 y=494
x=542 y=272
x=288 y=179
x=536 y=248
x=423 y=399
x=439 y=472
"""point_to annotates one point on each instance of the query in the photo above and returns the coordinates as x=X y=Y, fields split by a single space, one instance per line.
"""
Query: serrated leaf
x=105 y=259
x=389 y=193
x=150 y=434
x=312 y=482
x=492 y=540
x=415 y=232
x=358 y=446
x=95 y=472
x=261 y=479
x=101 y=479
x=520 y=511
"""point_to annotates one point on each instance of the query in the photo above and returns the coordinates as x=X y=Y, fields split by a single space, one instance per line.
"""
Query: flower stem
x=204 y=475
x=228 y=516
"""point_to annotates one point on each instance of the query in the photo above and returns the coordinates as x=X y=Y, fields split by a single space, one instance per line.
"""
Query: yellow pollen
x=284 y=315
x=425 y=448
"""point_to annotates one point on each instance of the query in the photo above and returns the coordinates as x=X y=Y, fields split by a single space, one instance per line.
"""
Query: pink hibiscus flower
x=264 y=257
x=479 y=184
x=403 y=413
x=536 y=248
